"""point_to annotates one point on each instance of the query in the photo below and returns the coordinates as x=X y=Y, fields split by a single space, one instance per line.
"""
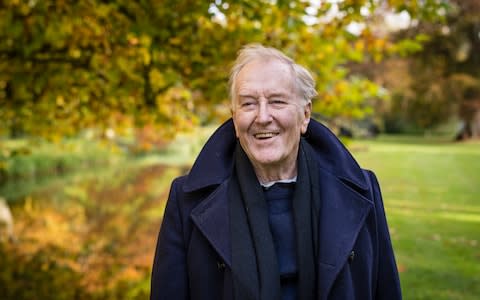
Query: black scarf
x=255 y=270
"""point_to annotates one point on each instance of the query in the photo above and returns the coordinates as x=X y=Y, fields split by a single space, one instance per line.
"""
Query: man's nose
x=263 y=114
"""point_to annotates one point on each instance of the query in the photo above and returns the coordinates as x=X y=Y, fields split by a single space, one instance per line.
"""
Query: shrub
x=37 y=276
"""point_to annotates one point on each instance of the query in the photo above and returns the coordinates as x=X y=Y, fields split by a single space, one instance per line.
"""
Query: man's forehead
x=246 y=91
x=257 y=65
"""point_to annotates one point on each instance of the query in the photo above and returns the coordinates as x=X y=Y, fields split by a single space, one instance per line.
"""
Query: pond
x=95 y=234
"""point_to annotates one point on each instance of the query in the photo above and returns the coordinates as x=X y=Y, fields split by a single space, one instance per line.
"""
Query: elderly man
x=275 y=207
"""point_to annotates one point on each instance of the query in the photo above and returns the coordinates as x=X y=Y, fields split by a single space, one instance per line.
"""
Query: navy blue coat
x=193 y=255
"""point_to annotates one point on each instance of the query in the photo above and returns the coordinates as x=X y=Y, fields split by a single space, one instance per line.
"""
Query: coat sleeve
x=169 y=273
x=388 y=281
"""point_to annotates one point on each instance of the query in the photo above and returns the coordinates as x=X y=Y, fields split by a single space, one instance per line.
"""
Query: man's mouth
x=265 y=135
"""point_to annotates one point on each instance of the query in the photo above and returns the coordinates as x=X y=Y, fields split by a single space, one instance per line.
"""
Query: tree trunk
x=475 y=125
x=470 y=129
x=470 y=115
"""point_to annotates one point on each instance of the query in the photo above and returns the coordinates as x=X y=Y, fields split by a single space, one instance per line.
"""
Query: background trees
x=440 y=82
x=162 y=65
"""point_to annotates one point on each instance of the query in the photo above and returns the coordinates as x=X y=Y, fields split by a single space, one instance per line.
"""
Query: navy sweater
x=279 y=199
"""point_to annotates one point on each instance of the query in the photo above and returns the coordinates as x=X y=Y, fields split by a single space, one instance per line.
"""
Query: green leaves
x=167 y=62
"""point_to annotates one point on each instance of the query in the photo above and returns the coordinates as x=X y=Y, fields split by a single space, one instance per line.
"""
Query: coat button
x=220 y=265
x=351 y=257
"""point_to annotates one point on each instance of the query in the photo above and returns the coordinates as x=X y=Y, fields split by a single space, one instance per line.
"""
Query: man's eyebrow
x=277 y=95
x=246 y=95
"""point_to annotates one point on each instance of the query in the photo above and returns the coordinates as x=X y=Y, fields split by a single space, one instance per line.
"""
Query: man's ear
x=307 y=112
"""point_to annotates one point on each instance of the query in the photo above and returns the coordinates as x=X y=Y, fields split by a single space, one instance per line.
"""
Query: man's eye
x=248 y=105
x=278 y=102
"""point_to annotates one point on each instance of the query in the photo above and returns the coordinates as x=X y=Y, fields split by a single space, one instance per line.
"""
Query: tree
x=445 y=75
x=161 y=64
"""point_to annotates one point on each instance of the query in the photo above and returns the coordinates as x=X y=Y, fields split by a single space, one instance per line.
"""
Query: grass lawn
x=431 y=190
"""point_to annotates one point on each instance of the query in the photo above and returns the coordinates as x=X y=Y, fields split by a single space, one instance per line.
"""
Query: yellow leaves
x=340 y=87
x=38 y=226
x=143 y=45
x=23 y=7
x=103 y=10
x=75 y=52
x=174 y=101
x=60 y=100
x=320 y=55
x=175 y=40
x=132 y=39
x=348 y=98
x=124 y=64
x=329 y=49
x=149 y=137
x=106 y=241
x=359 y=45
x=142 y=40
x=163 y=105
x=145 y=55
x=129 y=275
x=145 y=40
x=377 y=48
x=183 y=47
x=157 y=79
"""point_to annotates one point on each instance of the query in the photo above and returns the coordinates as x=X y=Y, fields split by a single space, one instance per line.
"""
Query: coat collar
x=214 y=163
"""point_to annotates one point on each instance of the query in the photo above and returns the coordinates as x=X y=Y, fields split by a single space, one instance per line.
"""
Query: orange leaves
x=149 y=137
x=99 y=237
x=59 y=229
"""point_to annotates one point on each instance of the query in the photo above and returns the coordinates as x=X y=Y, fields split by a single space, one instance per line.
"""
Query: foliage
x=38 y=276
x=444 y=78
x=68 y=65
x=90 y=239
x=419 y=106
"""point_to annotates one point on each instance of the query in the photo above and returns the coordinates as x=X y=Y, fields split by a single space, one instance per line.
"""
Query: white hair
x=303 y=80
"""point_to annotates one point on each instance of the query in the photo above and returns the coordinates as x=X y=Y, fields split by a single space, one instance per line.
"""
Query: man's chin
x=266 y=160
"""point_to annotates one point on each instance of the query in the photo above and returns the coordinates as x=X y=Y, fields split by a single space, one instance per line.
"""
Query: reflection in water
x=95 y=235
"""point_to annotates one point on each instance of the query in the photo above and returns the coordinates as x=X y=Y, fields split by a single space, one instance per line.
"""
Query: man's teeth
x=265 y=135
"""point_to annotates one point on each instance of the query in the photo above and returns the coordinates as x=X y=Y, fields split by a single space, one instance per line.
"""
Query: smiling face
x=269 y=118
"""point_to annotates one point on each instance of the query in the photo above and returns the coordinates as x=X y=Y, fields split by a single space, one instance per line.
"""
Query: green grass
x=431 y=190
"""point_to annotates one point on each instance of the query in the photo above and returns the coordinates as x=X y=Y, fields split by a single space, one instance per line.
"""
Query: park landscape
x=96 y=233
x=103 y=104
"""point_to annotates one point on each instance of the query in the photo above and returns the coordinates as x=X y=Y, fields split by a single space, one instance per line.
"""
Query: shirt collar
x=270 y=183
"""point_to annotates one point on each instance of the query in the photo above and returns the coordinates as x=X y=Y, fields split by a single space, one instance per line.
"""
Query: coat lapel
x=212 y=219
x=343 y=211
